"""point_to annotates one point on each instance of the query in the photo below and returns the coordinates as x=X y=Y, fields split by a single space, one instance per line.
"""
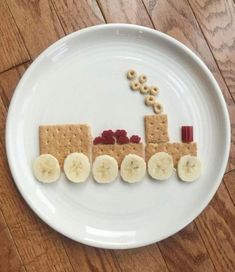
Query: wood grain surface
x=26 y=29
x=217 y=22
x=12 y=48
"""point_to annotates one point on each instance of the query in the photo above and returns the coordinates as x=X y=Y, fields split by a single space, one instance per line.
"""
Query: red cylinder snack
x=187 y=134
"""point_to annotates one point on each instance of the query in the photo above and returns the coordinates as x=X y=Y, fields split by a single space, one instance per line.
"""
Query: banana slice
x=77 y=167
x=105 y=169
x=189 y=168
x=46 y=168
x=160 y=166
x=133 y=168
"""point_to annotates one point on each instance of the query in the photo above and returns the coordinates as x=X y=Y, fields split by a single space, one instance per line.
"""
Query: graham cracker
x=118 y=151
x=156 y=128
x=176 y=150
x=61 y=140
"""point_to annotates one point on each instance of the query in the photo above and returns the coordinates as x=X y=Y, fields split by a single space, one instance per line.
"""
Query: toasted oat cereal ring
x=154 y=90
x=135 y=85
x=158 y=108
x=131 y=74
x=144 y=89
x=142 y=79
x=150 y=100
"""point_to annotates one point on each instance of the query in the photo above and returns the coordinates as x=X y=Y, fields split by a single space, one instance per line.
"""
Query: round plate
x=82 y=79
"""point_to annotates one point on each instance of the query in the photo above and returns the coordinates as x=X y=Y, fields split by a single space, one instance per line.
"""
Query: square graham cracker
x=61 y=140
x=118 y=151
x=176 y=150
x=156 y=128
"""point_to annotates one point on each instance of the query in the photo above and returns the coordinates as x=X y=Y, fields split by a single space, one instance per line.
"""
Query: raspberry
x=120 y=132
x=187 y=134
x=122 y=140
x=135 y=139
x=107 y=133
x=108 y=140
x=98 y=140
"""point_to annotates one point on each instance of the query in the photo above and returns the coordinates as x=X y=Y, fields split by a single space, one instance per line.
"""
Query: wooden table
x=27 y=27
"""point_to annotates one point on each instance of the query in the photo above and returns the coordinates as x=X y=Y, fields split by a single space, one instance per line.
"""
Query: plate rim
x=202 y=66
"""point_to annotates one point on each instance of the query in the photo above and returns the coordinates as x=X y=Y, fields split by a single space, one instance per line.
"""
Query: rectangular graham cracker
x=156 y=128
x=176 y=150
x=61 y=140
x=118 y=151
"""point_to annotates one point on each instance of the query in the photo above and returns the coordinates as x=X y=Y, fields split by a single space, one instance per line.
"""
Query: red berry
x=135 y=139
x=108 y=140
x=122 y=140
x=120 y=132
x=107 y=133
x=98 y=140
x=187 y=134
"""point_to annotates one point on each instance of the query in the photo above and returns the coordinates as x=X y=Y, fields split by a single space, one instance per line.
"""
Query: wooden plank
x=147 y=259
x=3 y=224
x=12 y=49
x=3 y=115
x=185 y=251
x=75 y=15
x=77 y=264
x=9 y=257
x=8 y=83
x=122 y=11
x=115 y=11
x=9 y=80
x=96 y=259
x=217 y=21
x=86 y=258
x=42 y=250
x=39 y=246
x=133 y=12
x=37 y=22
x=176 y=19
x=229 y=180
x=217 y=228
x=77 y=253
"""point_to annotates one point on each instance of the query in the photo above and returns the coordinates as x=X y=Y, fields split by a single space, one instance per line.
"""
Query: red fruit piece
x=98 y=140
x=135 y=139
x=108 y=140
x=120 y=132
x=187 y=134
x=122 y=140
x=107 y=133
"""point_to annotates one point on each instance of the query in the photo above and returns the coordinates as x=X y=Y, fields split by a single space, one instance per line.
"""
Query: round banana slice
x=77 y=167
x=189 y=168
x=105 y=169
x=46 y=168
x=133 y=168
x=160 y=166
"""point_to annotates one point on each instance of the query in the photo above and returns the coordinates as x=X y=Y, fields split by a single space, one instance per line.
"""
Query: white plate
x=82 y=78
